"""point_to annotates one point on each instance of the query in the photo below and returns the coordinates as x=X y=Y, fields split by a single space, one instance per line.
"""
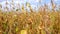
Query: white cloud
x=55 y=0
x=37 y=0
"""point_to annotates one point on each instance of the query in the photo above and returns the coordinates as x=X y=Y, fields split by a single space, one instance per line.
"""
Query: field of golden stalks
x=43 y=21
x=30 y=23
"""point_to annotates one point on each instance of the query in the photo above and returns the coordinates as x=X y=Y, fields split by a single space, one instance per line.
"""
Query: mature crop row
x=43 y=21
x=30 y=22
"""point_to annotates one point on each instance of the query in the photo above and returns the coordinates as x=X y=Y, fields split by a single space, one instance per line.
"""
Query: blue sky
x=34 y=3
